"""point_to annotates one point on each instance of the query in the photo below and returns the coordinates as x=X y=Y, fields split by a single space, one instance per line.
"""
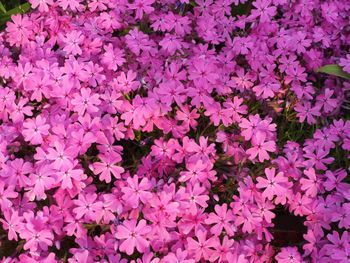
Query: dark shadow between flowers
x=288 y=230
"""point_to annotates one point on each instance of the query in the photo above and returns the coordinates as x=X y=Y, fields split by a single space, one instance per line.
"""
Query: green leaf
x=2 y=8
x=335 y=70
x=21 y=9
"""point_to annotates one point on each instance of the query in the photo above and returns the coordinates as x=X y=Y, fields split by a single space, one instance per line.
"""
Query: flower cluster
x=174 y=131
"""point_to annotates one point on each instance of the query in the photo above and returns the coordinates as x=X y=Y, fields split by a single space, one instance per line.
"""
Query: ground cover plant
x=175 y=131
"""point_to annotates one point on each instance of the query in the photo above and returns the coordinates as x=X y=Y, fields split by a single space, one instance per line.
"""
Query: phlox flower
x=197 y=197
x=85 y=102
x=107 y=167
x=88 y=207
x=68 y=176
x=19 y=31
x=136 y=191
x=133 y=235
x=306 y=112
x=35 y=129
x=203 y=248
x=264 y=10
x=6 y=193
x=42 y=5
x=274 y=184
x=61 y=155
x=74 y=5
x=288 y=255
x=113 y=57
x=221 y=219
x=141 y=7
x=36 y=233
x=12 y=222
x=261 y=147
x=72 y=41
x=41 y=180
x=310 y=185
x=345 y=63
x=179 y=256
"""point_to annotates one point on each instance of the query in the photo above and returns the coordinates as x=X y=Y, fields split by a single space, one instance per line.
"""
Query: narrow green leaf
x=21 y=9
x=2 y=8
x=335 y=70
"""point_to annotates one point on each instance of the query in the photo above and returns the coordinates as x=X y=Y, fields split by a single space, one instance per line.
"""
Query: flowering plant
x=175 y=131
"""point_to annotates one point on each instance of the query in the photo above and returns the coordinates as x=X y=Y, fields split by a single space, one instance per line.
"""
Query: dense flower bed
x=175 y=131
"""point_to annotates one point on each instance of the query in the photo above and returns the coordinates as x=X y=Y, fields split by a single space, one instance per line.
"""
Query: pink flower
x=264 y=10
x=12 y=223
x=288 y=255
x=249 y=220
x=142 y=6
x=88 y=207
x=310 y=185
x=345 y=63
x=35 y=232
x=197 y=171
x=136 y=191
x=85 y=102
x=261 y=147
x=197 y=197
x=133 y=235
x=108 y=167
x=180 y=256
x=20 y=30
x=42 y=4
x=274 y=184
x=19 y=110
x=41 y=180
x=35 y=129
x=68 y=176
x=113 y=58
x=306 y=111
x=61 y=155
x=72 y=41
x=6 y=193
x=222 y=220
x=74 y=5
x=203 y=248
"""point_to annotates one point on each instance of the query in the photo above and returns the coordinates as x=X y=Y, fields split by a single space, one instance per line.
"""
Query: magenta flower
x=73 y=5
x=12 y=223
x=142 y=6
x=113 y=57
x=222 y=220
x=203 y=248
x=107 y=167
x=42 y=5
x=261 y=147
x=88 y=207
x=345 y=63
x=19 y=31
x=84 y=102
x=312 y=184
x=136 y=191
x=264 y=10
x=60 y=155
x=35 y=129
x=169 y=131
x=41 y=180
x=36 y=233
x=274 y=184
x=6 y=193
x=133 y=235
x=68 y=176
x=288 y=255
